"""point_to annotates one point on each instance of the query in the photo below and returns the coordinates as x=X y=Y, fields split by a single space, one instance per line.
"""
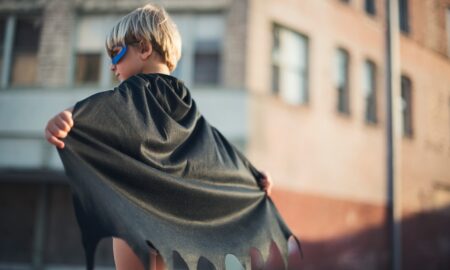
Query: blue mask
x=116 y=58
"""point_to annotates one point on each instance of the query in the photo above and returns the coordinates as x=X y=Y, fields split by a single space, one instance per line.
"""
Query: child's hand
x=266 y=183
x=58 y=127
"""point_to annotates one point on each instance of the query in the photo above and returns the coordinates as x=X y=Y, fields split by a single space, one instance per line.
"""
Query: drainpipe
x=393 y=134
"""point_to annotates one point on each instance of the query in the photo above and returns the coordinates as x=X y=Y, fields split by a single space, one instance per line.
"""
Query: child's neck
x=160 y=69
x=156 y=67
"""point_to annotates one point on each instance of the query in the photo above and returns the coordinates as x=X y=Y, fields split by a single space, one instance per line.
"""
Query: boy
x=145 y=41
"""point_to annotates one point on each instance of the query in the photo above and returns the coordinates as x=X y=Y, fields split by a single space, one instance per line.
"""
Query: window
x=403 y=16
x=2 y=40
x=207 y=56
x=92 y=64
x=19 y=43
x=290 y=65
x=87 y=67
x=369 y=89
x=448 y=31
x=370 y=7
x=203 y=37
x=25 y=49
x=345 y=1
x=342 y=81
x=406 y=92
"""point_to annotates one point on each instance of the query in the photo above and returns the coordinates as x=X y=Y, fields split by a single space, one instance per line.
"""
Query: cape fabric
x=144 y=165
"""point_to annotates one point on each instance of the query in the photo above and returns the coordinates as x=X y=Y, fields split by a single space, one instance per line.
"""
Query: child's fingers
x=53 y=140
x=266 y=182
x=67 y=117
x=63 y=124
x=56 y=131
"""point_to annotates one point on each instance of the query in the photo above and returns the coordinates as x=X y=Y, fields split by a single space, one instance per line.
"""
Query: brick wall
x=56 y=45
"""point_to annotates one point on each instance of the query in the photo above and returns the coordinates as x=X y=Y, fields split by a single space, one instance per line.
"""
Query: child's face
x=131 y=63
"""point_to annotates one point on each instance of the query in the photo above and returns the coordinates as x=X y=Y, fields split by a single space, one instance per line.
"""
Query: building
x=302 y=85
x=52 y=55
x=317 y=74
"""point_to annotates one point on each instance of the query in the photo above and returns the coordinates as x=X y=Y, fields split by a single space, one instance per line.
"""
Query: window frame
x=403 y=16
x=447 y=16
x=105 y=79
x=187 y=25
x=7 y=50
x=408 y=121
x=343 y=108
x=370 y=7
x=277 y=67
x=370 y=100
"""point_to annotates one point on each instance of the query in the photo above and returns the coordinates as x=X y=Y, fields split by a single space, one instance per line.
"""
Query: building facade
x=317 y=74
x=299 y=85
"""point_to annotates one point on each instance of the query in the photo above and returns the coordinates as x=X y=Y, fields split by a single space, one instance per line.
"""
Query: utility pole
x=393 y=133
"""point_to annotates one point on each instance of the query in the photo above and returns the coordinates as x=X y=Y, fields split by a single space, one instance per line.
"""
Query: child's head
x=146 y=31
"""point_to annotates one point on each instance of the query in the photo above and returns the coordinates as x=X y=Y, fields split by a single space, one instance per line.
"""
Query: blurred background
x=301 y=86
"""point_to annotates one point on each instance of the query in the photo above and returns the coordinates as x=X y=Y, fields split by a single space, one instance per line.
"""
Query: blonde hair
x=152 y=24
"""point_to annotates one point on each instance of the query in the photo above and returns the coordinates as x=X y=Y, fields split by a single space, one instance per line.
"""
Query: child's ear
x=146 y=50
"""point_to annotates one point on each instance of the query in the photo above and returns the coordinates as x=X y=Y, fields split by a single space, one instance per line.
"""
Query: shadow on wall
x=426 y=236
x=425 y=245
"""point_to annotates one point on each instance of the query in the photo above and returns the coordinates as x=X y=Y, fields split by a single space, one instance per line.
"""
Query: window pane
x=448 y=31
x=87 y=68
x=90 y=46
x=406 y=90
x=207 y=63
x=404 y=17
x=275 y=78
x=290 y=65
x=26 y=43
x=209 y=32
x=369 y=89
x=203 y=38
x=342 y=80
x=2 y=41
x=370 y=7
x=206 y=68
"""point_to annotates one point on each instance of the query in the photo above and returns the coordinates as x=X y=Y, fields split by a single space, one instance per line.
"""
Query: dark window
x=87 y=69
x=207 y=63
x=290 y=65
x=275 y=56
x=25 y=48
x=2 y=41
x=275 y=78
x=448 y=30
x=345 y=1
x=342 y=81
x=403 y=16
x=370 y=91
x=370 y=7
x=407 y=117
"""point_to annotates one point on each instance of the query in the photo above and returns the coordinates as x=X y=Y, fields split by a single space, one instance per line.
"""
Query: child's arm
x=58 y=127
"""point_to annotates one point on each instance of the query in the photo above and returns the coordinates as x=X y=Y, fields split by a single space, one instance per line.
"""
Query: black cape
x=144 y=165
